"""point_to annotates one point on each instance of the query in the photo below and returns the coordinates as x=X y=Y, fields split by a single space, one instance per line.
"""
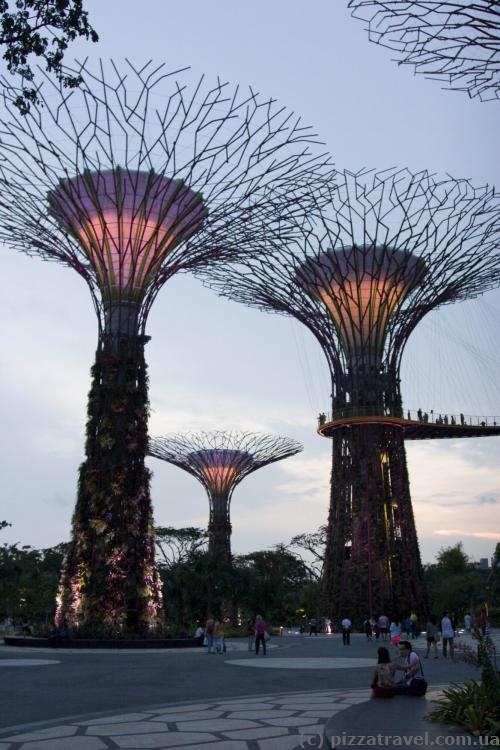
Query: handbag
x=267 y=637
x=418 y=685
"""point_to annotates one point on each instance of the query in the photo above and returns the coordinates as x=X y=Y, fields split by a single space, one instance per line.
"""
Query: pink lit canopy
x=362 y=287
x=126 y=222
x=220 y=468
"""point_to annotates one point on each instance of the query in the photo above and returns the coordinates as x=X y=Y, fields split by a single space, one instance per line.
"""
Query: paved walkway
x=267 y=722
x=262 y=720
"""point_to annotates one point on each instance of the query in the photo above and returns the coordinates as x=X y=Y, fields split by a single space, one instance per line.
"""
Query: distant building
x=483 y=564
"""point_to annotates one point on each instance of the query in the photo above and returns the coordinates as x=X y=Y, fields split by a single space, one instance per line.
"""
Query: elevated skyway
x=416 y=424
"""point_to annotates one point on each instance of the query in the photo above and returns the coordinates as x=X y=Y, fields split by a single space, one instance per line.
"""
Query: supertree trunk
x=219 y=529
x=109 y=582
x=372 y=560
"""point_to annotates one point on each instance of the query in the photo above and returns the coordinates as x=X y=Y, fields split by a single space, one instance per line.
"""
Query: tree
x=314 y=544
x=177 y=546
x=453 y=560
x=453 y=584
x=41 y=28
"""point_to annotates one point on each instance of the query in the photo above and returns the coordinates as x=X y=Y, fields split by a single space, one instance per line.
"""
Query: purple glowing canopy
x=126 y=222
x=362 y=287
x=220 y=467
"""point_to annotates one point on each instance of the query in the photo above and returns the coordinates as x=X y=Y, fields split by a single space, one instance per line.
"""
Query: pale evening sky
x=217 y=365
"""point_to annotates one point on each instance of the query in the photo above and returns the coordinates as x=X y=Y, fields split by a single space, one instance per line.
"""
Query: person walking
x=219 y=637
x=383 y=626
x=250 y=634
x=346 y=625
x=432 y=636
x=468 y=622
x=447 y=634
x=260 y=635
x=368 y=628
x=414 y=625
x=209 y=634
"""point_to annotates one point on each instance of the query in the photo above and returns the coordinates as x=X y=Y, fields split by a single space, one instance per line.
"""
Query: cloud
x=475 y=534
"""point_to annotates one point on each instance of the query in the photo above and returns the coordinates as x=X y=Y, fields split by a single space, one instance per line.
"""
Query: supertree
x=220 y=460
x=365 y=270
x=456 y=42
x=138 y=174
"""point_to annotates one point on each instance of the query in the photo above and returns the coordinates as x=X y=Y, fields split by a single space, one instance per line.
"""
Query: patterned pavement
x=267 y=722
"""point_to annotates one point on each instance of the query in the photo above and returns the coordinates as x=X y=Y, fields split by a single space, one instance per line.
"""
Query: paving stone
x=221 y=745
x=126 y=727
x=267 y=713
x=41 y=734
x=308 y=706
x=255 y=734
x=116 y=719
x=75 y=743
x=189 y=716
x=280 y=743
x=215 y=725
x=160 y=740
x=181 y=709
x=292 y=721
x=245 y=706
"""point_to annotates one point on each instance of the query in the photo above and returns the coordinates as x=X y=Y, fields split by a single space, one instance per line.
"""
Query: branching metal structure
x=220 y=461
x=388 y=249
x=457 y=42
x=138 y=174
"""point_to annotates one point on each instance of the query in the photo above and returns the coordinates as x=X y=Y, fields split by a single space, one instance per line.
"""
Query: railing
x=415 y=415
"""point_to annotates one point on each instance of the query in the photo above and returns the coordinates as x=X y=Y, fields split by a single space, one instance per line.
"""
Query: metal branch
x=234 y=153
x=455 y=42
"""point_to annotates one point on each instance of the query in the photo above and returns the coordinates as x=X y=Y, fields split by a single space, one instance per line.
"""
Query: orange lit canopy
x=362 y=287
x=126 y=222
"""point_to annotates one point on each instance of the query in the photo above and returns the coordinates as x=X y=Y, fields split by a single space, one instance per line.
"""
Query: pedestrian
x=367 y=626
x=468 y=622
x=251 y=634
x=406 y=626
x=432 y=636
x=395 y=630
x=7 y=626
x=313 y=626
x=260 y=634
x=209 y=634
x=383 y=625
x=219 y=637
x=346 y=625
x=447 y=634
x=414 y=625
x=25 y=627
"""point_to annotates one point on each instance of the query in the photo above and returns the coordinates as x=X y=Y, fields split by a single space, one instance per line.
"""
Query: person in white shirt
x=346 y=631
x=447 y=634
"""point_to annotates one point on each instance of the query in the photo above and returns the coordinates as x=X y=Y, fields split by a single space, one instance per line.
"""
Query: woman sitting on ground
x=383 y=676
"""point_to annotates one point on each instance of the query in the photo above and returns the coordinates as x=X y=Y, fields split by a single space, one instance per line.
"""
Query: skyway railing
x=416 y=415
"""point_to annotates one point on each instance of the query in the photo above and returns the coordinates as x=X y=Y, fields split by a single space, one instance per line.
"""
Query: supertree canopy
x=457 y=42
x=220 y=460
x=365 y=270
x=136 y=175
